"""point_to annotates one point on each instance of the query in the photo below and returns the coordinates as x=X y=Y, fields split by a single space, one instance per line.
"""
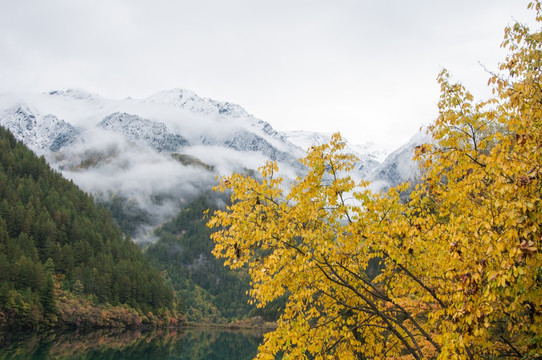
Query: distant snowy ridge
x=165 y=122
x=41 y=133
x=305 y=139
x=76 y=94
x=399 y=166
x=368 y=155
x=189 y=100
x=143 y=132
x=383 y=168
x=245 y=132
x=145 y=150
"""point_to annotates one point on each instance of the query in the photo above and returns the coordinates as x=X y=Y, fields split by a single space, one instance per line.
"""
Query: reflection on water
x=192 y=343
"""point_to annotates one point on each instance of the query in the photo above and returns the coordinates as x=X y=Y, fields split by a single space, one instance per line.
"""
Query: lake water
x=191 y=343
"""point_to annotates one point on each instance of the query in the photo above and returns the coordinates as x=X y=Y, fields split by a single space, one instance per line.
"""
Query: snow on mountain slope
x=223 y=111
x=133 y=149
x=377 y=164
x=163 y=122
x=143 y=132
x=226 y=124
x=305 y=139
x=188 y=100
x=79 y=108
x=42 y=133
x=399 y=166
x=368 y=155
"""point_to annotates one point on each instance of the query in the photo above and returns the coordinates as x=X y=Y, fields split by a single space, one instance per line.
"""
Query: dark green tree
x=53 y=235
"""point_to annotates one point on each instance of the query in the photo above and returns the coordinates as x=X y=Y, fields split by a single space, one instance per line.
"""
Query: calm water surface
x=193 y=344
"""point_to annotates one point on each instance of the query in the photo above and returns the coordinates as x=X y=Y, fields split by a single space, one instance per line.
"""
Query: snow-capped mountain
x=188 y=100
x=399 y=166
x=42 y=133
x=160 y=151
x=156 y=152
x=375 y=163
x=369 y=155
x=305 y=139
x=244 y=131
x=166 y=122
x=143 y=132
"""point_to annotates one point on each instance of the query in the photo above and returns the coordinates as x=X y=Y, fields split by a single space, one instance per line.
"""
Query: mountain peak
x=143 y=131
x=172 y=96
x=74 y=93
x=189 y=100
x=40 y=132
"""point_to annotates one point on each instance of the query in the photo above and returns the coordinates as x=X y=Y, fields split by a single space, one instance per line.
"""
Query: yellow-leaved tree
x=458 y=265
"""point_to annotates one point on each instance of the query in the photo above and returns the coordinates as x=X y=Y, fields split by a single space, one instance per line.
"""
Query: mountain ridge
x=124 y=147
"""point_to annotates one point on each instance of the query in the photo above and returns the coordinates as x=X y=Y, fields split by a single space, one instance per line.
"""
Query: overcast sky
x=365 y=68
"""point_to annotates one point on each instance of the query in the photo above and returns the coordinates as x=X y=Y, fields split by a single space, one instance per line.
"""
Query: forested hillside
x=61 y=255
x=209 y=291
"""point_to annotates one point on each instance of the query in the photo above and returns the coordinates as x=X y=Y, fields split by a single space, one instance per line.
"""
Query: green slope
x=58 y=248
x=209 y=291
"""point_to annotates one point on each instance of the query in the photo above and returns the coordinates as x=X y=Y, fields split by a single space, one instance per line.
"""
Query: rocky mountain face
x=383 y=168
x=165 y=122
x=399 y=166
x=245 y=133
x=137 y=149
x=368 y=156
x=42 y=133
x=143 y=132
x=145 y=157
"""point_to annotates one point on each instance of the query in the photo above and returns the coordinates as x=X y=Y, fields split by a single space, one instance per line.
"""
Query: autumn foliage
x=454 y=272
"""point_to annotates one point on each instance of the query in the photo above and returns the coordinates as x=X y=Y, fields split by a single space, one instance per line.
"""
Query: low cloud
x=108 y=166
x=148 y=186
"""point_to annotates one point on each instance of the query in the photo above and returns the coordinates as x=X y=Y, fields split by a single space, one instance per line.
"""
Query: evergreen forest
x=209 y=292
x=63 y=259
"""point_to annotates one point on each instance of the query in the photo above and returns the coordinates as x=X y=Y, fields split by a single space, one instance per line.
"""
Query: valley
x=152 y=163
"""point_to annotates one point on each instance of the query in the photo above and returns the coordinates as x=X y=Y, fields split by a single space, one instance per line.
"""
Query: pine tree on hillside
x=52 y=235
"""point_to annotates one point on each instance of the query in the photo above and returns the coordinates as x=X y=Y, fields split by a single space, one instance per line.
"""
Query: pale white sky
x=365 y=68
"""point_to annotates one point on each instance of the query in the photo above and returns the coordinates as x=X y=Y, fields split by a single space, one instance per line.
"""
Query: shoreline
x=245 y=324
